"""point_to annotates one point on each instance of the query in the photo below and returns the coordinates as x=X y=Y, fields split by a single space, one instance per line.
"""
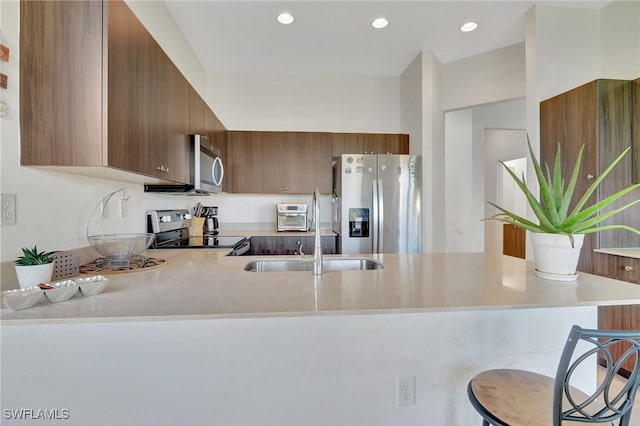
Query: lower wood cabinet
x=623 y=317
x=617 y=267
x=290 y=245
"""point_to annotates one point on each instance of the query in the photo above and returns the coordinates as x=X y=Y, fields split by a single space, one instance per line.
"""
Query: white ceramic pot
x=555 y=258
x=30 y=275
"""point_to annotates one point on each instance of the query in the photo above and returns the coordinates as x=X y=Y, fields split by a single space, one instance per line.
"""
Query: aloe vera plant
x=33 y=257
x=553 y=212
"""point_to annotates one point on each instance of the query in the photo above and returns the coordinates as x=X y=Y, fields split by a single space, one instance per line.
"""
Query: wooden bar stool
x=517 y=397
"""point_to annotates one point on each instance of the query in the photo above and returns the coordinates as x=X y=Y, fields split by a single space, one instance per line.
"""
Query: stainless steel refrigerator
x=379 y=203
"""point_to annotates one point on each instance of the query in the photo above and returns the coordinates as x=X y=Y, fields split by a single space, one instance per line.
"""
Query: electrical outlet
x=406 y=391
x=8 y=209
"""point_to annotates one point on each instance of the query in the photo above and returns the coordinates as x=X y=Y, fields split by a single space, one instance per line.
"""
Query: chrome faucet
x=317 y=247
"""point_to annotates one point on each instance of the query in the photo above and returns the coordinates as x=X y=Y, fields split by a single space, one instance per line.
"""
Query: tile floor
x=635 y=418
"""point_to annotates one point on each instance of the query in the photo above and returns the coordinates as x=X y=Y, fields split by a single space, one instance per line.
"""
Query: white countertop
x=633 y=252
x=198 y=283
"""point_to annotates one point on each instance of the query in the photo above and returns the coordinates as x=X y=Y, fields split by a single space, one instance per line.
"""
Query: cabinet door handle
x=628 y=268
x=162 y=168
x=590 y=176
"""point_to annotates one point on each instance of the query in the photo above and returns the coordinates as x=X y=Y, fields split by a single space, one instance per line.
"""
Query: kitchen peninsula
x=201 y=341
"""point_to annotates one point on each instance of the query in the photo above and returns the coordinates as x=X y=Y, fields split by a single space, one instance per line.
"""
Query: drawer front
x=618 y=267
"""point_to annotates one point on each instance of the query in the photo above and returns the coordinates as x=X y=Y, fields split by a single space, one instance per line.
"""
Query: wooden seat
x=518 y=397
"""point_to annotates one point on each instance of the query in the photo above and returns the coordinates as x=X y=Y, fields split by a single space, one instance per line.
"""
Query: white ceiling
x=335 y=37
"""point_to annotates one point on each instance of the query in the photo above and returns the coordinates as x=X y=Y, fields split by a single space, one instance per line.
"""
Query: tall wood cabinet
x=598 y=114
x=604 y=115
x=98 y=91
x=280 y=162
x=369 y=143
x=636 y=129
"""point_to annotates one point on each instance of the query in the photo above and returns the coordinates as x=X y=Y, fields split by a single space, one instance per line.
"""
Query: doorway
x=513 y=199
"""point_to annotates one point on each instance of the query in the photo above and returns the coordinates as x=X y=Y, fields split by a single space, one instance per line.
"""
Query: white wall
x=499 y=145
x=481 y=79
x=260 y=101
x=319 y=370
x=459 y=166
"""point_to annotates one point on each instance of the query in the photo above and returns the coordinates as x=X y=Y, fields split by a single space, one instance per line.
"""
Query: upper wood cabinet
x=88 y=100
x=599 y=115
x=369 y=143
x=280 y=162
x=636 y=130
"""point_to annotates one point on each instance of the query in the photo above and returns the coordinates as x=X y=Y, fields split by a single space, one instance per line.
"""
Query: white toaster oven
x=291 y=216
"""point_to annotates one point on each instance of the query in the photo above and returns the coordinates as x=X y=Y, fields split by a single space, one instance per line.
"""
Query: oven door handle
x=241 y=248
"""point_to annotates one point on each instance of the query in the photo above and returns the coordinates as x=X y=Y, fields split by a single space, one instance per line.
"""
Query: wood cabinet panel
x=256 y=162
x=599 y=115
x=635 y=117
x=622 y=317
x=369 y=143
x=290 y=245
x=307 y=160
x=97 y=90
x=196 y=112
x=280 y=162
x=618 y=267
x=61 y=67
x=563 y=121
x=513 y=241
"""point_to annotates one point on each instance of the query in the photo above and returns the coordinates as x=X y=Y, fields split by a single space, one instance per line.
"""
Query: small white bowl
x=21 y=298
x=92 y=285
x=61 y=291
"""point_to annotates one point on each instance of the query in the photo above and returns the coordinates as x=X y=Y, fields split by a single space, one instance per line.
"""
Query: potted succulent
x=34 y=267
x=557 y=238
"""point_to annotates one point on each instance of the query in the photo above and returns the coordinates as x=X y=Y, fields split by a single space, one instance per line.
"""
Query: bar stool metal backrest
x=606 y=403
x=511 y=397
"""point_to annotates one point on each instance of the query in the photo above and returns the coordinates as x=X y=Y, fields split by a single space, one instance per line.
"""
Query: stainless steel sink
x=328 y=264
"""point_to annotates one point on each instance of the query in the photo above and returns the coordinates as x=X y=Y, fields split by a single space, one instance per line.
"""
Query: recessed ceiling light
x=469 y=26
x=285 y=18
x=379 y=23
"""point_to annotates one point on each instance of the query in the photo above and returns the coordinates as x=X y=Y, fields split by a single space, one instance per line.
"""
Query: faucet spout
x=317 y=247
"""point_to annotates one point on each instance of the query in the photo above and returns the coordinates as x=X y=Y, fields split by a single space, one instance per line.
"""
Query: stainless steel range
x=171 y=228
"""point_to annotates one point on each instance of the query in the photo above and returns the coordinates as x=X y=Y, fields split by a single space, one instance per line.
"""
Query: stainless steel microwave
x=207 y=171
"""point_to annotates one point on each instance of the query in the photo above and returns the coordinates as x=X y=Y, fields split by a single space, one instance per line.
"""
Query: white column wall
x=459 y=180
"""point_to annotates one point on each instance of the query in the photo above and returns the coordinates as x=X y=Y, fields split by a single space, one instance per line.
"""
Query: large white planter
x=555 y=258
x=31 y=275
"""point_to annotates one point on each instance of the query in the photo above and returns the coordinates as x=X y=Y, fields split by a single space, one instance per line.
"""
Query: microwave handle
x=217 y=182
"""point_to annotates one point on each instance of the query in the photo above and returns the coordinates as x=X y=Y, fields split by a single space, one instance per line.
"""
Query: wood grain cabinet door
x=636 y=130
x=256 y=162
x=61 y=66
x=569 y=120
x=369 y=143
x=134 y=72
x=307 y=162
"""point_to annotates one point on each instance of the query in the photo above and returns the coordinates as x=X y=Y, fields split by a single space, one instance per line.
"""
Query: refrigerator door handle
x=380 y=223
x=374 y=220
